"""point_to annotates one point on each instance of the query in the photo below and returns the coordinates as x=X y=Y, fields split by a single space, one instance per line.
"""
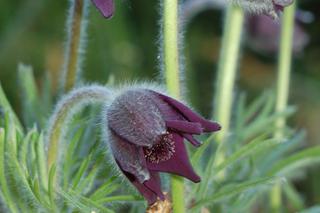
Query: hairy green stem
x=76 y=26
x=171 y=69
x=170 y=47
x=63 y=113
x=226 y=74
x=283 y=82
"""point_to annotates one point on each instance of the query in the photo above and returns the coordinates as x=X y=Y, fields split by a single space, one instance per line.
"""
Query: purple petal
x=191 y=115
x=185 y=126
x=178 y=164
x=130 y=157
x=106 y=7
x=150 y=189
x=154 y=184
x=192 y=140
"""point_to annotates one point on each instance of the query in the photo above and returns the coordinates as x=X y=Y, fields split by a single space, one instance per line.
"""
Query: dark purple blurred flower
x=106 y=7
x=271 y=8
x=147 y=130
x=264 y=34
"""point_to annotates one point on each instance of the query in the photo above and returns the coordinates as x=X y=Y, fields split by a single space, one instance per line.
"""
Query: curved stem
x=283 y=83
x=171 y=69
x=76 y=26
x=63 y=113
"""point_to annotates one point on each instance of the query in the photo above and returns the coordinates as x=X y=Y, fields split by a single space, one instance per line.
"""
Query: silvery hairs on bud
x=267 y=7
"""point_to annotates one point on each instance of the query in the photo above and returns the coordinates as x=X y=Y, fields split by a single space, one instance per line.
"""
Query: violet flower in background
x=106 y=7
x=271 y=8
x=263 y=33
x=146 y=136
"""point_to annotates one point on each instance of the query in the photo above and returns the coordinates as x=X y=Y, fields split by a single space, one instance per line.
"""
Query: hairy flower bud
x=146 y=131
x=268 y=7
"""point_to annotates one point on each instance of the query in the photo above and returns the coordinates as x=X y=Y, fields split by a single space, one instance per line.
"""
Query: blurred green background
x=126 y=48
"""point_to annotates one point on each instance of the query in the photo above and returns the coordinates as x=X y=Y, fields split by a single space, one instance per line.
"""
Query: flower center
x=162 y=150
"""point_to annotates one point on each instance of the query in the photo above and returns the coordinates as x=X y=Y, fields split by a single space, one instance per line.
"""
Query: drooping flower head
x=146 y=136
x=106 y=7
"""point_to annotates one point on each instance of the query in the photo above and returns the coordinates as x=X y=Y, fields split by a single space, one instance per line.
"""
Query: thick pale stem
x=76 y=26
x=224 y=89
x=171 y=69
x=63 y=113
x=170 y=47
x=226 y=74
x=227 y=68
x=283 y=81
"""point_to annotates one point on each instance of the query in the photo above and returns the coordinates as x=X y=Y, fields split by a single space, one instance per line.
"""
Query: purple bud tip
x=106 y=7
x=147 y=131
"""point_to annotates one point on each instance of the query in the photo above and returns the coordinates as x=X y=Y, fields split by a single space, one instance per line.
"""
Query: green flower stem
x=227 y=72
x=63 y=113
x=283 y=82
x=76 y=25
x=171 y=69
x=170 y=49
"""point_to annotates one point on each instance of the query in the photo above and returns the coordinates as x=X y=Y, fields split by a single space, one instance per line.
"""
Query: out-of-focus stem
x=171 y=71
x=283 y=82
x=227 y=68
x=76 y=26
x=226 y=73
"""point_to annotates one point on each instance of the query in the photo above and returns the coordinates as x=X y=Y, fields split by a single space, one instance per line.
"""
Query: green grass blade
x=41 y=161
x=82 y=203
x=120 y=198
x=9 y=202
x=74 y=202
x=87 y=182
x=303 y=158
x=51 y=186
x=69 y=158
x=239 y=188
x=83 y=167
x=30 y=94
x=20 y=178
x=4 y=103
x=107 y=188
x=293 y=196
x=313 y=209
x=257 y=145
x=260 y=125
x=255 y=106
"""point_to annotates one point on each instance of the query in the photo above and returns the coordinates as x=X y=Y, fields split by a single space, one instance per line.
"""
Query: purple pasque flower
x=106 y=7
x=146 y=136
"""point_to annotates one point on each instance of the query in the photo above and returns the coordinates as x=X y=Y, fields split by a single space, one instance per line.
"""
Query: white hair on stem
x=66 y=108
